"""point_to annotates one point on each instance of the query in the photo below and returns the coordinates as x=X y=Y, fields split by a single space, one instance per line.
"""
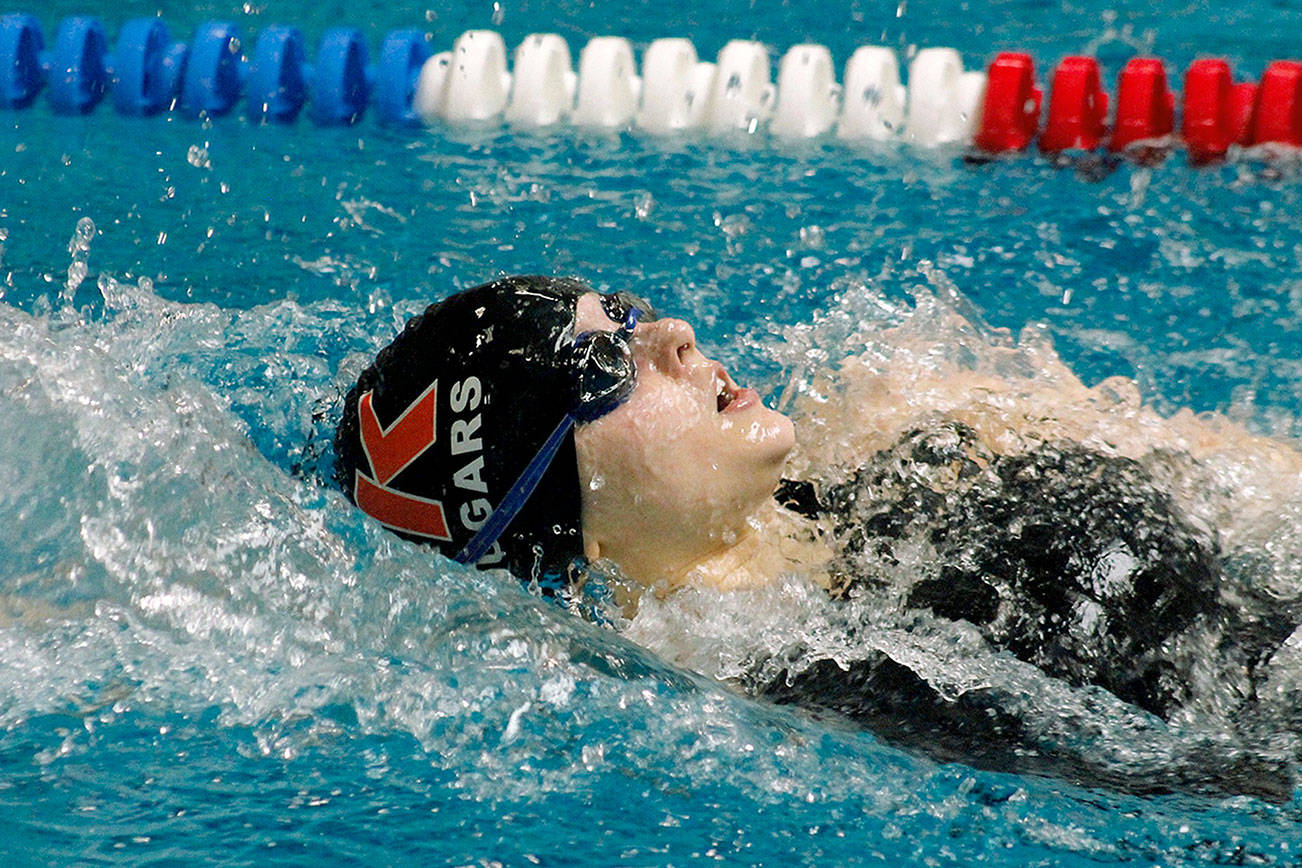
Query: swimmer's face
x=671 y=475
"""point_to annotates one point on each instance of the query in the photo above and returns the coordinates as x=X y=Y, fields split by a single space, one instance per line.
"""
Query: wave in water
x=174 y=564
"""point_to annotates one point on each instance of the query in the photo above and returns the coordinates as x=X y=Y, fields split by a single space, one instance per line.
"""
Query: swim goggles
x=604 y=376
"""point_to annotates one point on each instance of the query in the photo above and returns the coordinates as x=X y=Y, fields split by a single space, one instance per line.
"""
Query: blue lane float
x=78 y=74
x=277 y=85
x=339 y=81
x=213 y=73
x=146 y=73
x=21 y=74
x=146 y=68
x=402 y=55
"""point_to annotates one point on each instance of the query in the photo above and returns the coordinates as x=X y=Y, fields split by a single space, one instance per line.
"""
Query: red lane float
x=1217 y=112
x=1010 y=115
x=1078 y=107
x=1145 y=105
x=1277 y=117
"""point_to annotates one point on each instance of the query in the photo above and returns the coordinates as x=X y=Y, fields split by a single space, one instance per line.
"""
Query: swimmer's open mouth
x=724 y=395
x=729 y=397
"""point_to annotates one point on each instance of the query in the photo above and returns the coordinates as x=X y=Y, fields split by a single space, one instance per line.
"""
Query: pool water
x=208 y=654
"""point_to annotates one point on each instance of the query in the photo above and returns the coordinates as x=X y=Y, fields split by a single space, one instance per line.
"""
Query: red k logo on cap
x=389 y=451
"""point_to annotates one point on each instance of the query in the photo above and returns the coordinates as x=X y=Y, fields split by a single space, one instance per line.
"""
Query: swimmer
x=536 y=425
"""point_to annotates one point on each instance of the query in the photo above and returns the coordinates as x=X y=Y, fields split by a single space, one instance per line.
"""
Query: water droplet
x=79 y=249
x=812 y=236
x=378 y=300
x=198 y=157
x=644 y=206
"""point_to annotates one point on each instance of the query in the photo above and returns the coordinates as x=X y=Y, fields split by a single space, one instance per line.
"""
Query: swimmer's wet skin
x=462 y=435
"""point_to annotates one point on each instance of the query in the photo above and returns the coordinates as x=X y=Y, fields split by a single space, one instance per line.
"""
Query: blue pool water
x=206 y=653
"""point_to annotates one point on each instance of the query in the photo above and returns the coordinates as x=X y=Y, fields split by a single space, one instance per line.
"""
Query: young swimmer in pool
x=536 y=425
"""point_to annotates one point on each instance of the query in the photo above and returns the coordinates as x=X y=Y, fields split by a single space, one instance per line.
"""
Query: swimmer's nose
x=668 y=344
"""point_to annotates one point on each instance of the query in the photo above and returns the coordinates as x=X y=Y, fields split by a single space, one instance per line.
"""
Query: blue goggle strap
x=519 y=493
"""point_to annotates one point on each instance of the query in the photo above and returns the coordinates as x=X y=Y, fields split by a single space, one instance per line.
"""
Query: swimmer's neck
x=772 y=542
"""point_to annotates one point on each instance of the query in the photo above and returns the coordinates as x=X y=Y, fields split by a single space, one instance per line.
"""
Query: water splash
x=163 y=567
x=79 y=250
x=913 y=367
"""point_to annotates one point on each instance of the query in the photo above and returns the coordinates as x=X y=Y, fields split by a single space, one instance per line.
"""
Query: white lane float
x=742 y=95
x=874 y=100
x=809 y=98
x=609 y=87
x=469 y=83
x=543 y=82
x=943 y=100
x=676 y=87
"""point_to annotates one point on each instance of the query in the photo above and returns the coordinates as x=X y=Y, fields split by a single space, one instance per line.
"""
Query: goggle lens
x=618 y=304
x=605 y=373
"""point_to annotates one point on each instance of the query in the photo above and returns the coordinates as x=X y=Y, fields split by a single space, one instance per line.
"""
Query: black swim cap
x=440 y=427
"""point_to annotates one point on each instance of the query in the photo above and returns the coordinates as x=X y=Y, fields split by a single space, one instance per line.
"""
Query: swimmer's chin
x=775 y=431
x=769 y=435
